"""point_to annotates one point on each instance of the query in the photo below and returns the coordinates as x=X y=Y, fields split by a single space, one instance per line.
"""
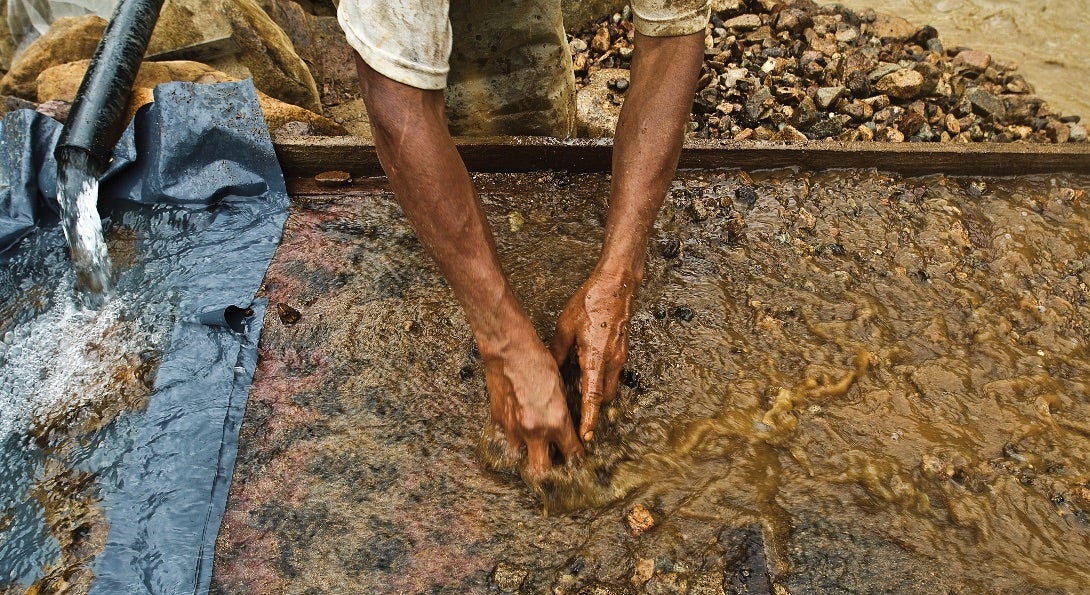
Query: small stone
x=509 y=577
x=294 y=128
x=859 y=110
x=901 y=84
x=699 y=210
x=882 y=70
x=745 y=22
x=746 y=195
x=846 y=33
x=1077 y=133
x=54 y=108
x=683 y=313
x=333 y=178
x=465 y=373
x=643 y=571
x=601 y=41
x=639 y=520
x=859 y=84
x=10 y=104
x=952 y=124
x=827 y=96
x=806 y=114
x=669 y=248
x=793 y=20
x=515 y=221
x=827 y=127
x=790 y=134
x=865 y=133
x=287 y=314
x=890 y=28
x=1058 y=132
x=973 y=59
x=577 y=45
x=626 y=52
x=986 y=104
x=621 y=85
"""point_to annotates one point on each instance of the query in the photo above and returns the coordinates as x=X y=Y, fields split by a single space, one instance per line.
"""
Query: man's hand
x=528 y=403
x=595 y=322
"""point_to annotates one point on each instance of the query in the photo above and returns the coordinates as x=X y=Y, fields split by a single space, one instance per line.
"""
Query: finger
x=569 y=443
x=537 y=460
x=591 y=386
x=563 y=339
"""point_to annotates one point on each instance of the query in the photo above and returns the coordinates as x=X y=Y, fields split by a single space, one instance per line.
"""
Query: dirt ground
x=838 y=382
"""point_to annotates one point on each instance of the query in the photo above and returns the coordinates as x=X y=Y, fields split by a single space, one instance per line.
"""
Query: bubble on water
x=64 y=358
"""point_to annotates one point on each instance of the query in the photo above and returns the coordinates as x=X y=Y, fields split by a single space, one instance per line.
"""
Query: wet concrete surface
x=838 y=382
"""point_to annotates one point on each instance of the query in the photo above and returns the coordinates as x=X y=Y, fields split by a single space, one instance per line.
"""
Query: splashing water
x=77 y=193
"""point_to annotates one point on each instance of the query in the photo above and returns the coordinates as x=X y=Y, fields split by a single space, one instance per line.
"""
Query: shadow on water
x=841 y=381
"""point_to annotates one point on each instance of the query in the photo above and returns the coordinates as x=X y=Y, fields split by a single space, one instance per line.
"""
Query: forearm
x=647 y=146
x=437 y=195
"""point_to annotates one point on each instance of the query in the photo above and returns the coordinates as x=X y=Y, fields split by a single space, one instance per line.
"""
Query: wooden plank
x=307 y=156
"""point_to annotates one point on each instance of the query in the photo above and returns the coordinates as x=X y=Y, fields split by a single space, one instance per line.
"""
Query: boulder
x=7 y=40
x=321 y=44
x=68 y=39
x=240 y=39
x=598 y=106
x=62 y=82
x=901 y=84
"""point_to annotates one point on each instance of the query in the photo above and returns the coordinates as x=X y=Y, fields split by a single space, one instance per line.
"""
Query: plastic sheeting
x=195 y=180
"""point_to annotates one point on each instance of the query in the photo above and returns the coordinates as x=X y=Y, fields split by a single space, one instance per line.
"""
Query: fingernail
x=588 y=436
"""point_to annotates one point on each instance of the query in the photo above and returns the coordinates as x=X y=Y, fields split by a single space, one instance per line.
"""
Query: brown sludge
x=840 y=381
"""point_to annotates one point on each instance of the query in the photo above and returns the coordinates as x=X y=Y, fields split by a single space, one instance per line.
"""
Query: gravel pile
x=795 y=70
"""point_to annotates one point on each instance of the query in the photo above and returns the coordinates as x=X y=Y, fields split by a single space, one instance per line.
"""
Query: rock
x=890 y=28
x=293 y=128
x=7 y=40
x=333 y=178
x=509 y=577
x=953 y=126
x=827 y=96
x=730 y=7
x=827 y=127
x=56 y=109
x=643 y=571
x=911 y=123
x=62 y=82
x=790 y=134
x=846 y=33
x=746 y=195
x=806 y=114
x=264 y=51
x=67 y=40
x=742 y=23
x=882 y=70
x=1077 y=133
x=639 y=520
x=900 y=84
x=577 y=45
x=865 y=133
x=859 y=110
x=287 y=314
x=859 y=84
x=986 y=104
x=321 y=45
x=793 y=20
x=10 y=104
x=597 y=107
x=601 y=42
x=973 y=59
x=1057 y=131
x=931 y=76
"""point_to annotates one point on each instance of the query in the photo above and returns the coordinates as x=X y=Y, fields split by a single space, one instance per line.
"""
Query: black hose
x=95 y=121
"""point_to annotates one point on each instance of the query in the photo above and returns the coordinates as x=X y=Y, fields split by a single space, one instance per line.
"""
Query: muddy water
x=1047 y=38
x=842 y=381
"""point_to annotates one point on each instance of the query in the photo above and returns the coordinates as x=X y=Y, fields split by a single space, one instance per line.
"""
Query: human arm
x=434 y=189
x=647 y=145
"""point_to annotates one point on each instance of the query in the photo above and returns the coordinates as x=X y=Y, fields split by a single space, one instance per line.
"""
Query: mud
x=838 y=382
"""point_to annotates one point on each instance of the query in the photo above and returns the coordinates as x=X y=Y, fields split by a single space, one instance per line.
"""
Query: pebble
x=639 y=520
x=683 y=313
x=287 y=314
x=333 y=178
x=763 y=58
x=746 y=195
